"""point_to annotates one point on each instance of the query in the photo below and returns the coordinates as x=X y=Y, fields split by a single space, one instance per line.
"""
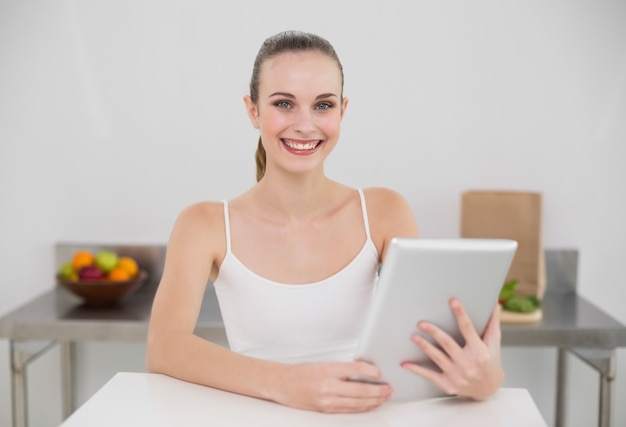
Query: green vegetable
x=517 y=303
x=520 y=304
x=508 y=291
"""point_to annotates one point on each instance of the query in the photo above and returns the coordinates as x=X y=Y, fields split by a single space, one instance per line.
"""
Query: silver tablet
x=416 y=282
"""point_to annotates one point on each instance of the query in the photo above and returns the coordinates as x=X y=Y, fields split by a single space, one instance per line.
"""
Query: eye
x=284 y=105
x=323 y=106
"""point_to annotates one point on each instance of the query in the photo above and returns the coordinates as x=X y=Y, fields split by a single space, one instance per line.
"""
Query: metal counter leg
x=18 y=388
x=604 y=362
x=606 y=393
x=561 y=387
x=67 y=377
x=22 y=353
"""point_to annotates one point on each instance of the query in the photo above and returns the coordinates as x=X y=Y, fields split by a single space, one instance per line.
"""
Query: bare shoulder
x=203 y=213
x=198 y=233
x=385 y=204
x=198 y=219
x=383 y=195
x=390 y=215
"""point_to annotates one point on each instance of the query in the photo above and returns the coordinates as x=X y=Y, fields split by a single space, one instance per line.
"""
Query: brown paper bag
x=511 y=215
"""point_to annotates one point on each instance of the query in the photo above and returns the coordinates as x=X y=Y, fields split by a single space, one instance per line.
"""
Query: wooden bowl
x=103 y=292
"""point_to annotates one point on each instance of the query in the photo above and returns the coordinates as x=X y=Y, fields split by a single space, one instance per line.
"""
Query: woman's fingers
x=493 y=333
x=327 y=387
x=440 y=357
x=357 y=369
x=452 y=348
x=341 y=404
x=360 y=379
x=440 y=380
x=353 y=396
x=464 y=322
x=361 y=390
x=473 y=369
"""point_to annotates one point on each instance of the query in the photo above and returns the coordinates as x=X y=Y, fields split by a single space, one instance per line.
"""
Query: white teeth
x=295 y=146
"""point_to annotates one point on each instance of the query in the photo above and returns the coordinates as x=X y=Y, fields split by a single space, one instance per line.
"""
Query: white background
x=114 y=115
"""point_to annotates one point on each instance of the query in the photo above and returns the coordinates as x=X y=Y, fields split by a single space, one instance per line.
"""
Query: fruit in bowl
x=91 y=272
x=102 y=278
x=106 y=260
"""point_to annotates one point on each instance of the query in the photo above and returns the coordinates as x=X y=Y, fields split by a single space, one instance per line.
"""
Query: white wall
x=116 y=114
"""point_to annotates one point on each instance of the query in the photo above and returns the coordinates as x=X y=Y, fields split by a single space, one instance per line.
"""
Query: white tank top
x=291 y=323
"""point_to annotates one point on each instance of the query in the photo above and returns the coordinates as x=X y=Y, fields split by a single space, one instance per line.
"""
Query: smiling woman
x=287 y=43
x=298 y=109
x=292 y=294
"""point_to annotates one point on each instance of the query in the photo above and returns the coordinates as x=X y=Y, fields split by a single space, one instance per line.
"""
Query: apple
x=67 y=271
x=106 y=260
x=91 y=272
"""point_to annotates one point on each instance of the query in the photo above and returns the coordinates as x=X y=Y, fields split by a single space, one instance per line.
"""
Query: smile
x=301 y=145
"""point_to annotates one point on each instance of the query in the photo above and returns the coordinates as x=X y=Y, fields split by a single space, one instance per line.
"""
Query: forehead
x=299 y=71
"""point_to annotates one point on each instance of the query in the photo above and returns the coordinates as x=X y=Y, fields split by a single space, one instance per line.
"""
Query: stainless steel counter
x=569 y=320
x=59 y=315
x=570 y=323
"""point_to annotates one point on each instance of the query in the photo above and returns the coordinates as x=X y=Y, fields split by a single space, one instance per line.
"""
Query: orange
x=129 y=265
x=118 y=274
x=82 y=259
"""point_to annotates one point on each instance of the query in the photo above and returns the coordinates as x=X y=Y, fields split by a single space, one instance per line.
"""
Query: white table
x=137 y=399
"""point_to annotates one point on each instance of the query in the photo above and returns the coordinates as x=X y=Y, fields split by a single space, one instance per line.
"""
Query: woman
x=294 y=260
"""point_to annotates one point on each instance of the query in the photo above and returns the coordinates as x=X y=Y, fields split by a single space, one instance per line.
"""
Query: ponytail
x=260 y=161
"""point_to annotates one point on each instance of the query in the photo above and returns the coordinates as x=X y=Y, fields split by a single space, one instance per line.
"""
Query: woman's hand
x=326 y=387
x=474 y=370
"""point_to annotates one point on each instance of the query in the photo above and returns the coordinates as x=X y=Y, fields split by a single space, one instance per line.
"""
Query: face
x=298 y=111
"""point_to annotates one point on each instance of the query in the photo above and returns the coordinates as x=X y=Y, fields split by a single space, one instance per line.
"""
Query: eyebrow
x=291 y=96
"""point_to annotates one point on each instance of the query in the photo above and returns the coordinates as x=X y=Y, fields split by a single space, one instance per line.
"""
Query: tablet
x=415 y=283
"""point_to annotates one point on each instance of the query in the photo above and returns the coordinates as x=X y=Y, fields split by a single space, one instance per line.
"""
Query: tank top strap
x=365 y=218
x=227 y=225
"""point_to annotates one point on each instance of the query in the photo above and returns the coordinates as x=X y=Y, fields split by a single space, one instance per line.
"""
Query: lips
x=301 y=146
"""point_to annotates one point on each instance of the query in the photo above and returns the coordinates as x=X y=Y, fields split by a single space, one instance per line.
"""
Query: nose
x=305 y=122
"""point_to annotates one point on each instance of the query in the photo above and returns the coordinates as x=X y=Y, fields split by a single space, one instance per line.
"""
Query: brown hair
x=287 y=41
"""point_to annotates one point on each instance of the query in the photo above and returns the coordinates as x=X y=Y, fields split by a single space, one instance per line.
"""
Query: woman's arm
x=196 y=244
x=173 y=349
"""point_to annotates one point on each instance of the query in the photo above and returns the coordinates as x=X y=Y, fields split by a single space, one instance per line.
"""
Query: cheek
x=330 y=124
x=272 y=121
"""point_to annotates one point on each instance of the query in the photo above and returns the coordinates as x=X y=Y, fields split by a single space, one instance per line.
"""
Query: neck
x=297 y=198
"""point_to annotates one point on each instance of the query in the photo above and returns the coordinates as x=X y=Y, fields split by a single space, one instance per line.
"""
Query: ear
x=253 y=112
x=344 y=105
